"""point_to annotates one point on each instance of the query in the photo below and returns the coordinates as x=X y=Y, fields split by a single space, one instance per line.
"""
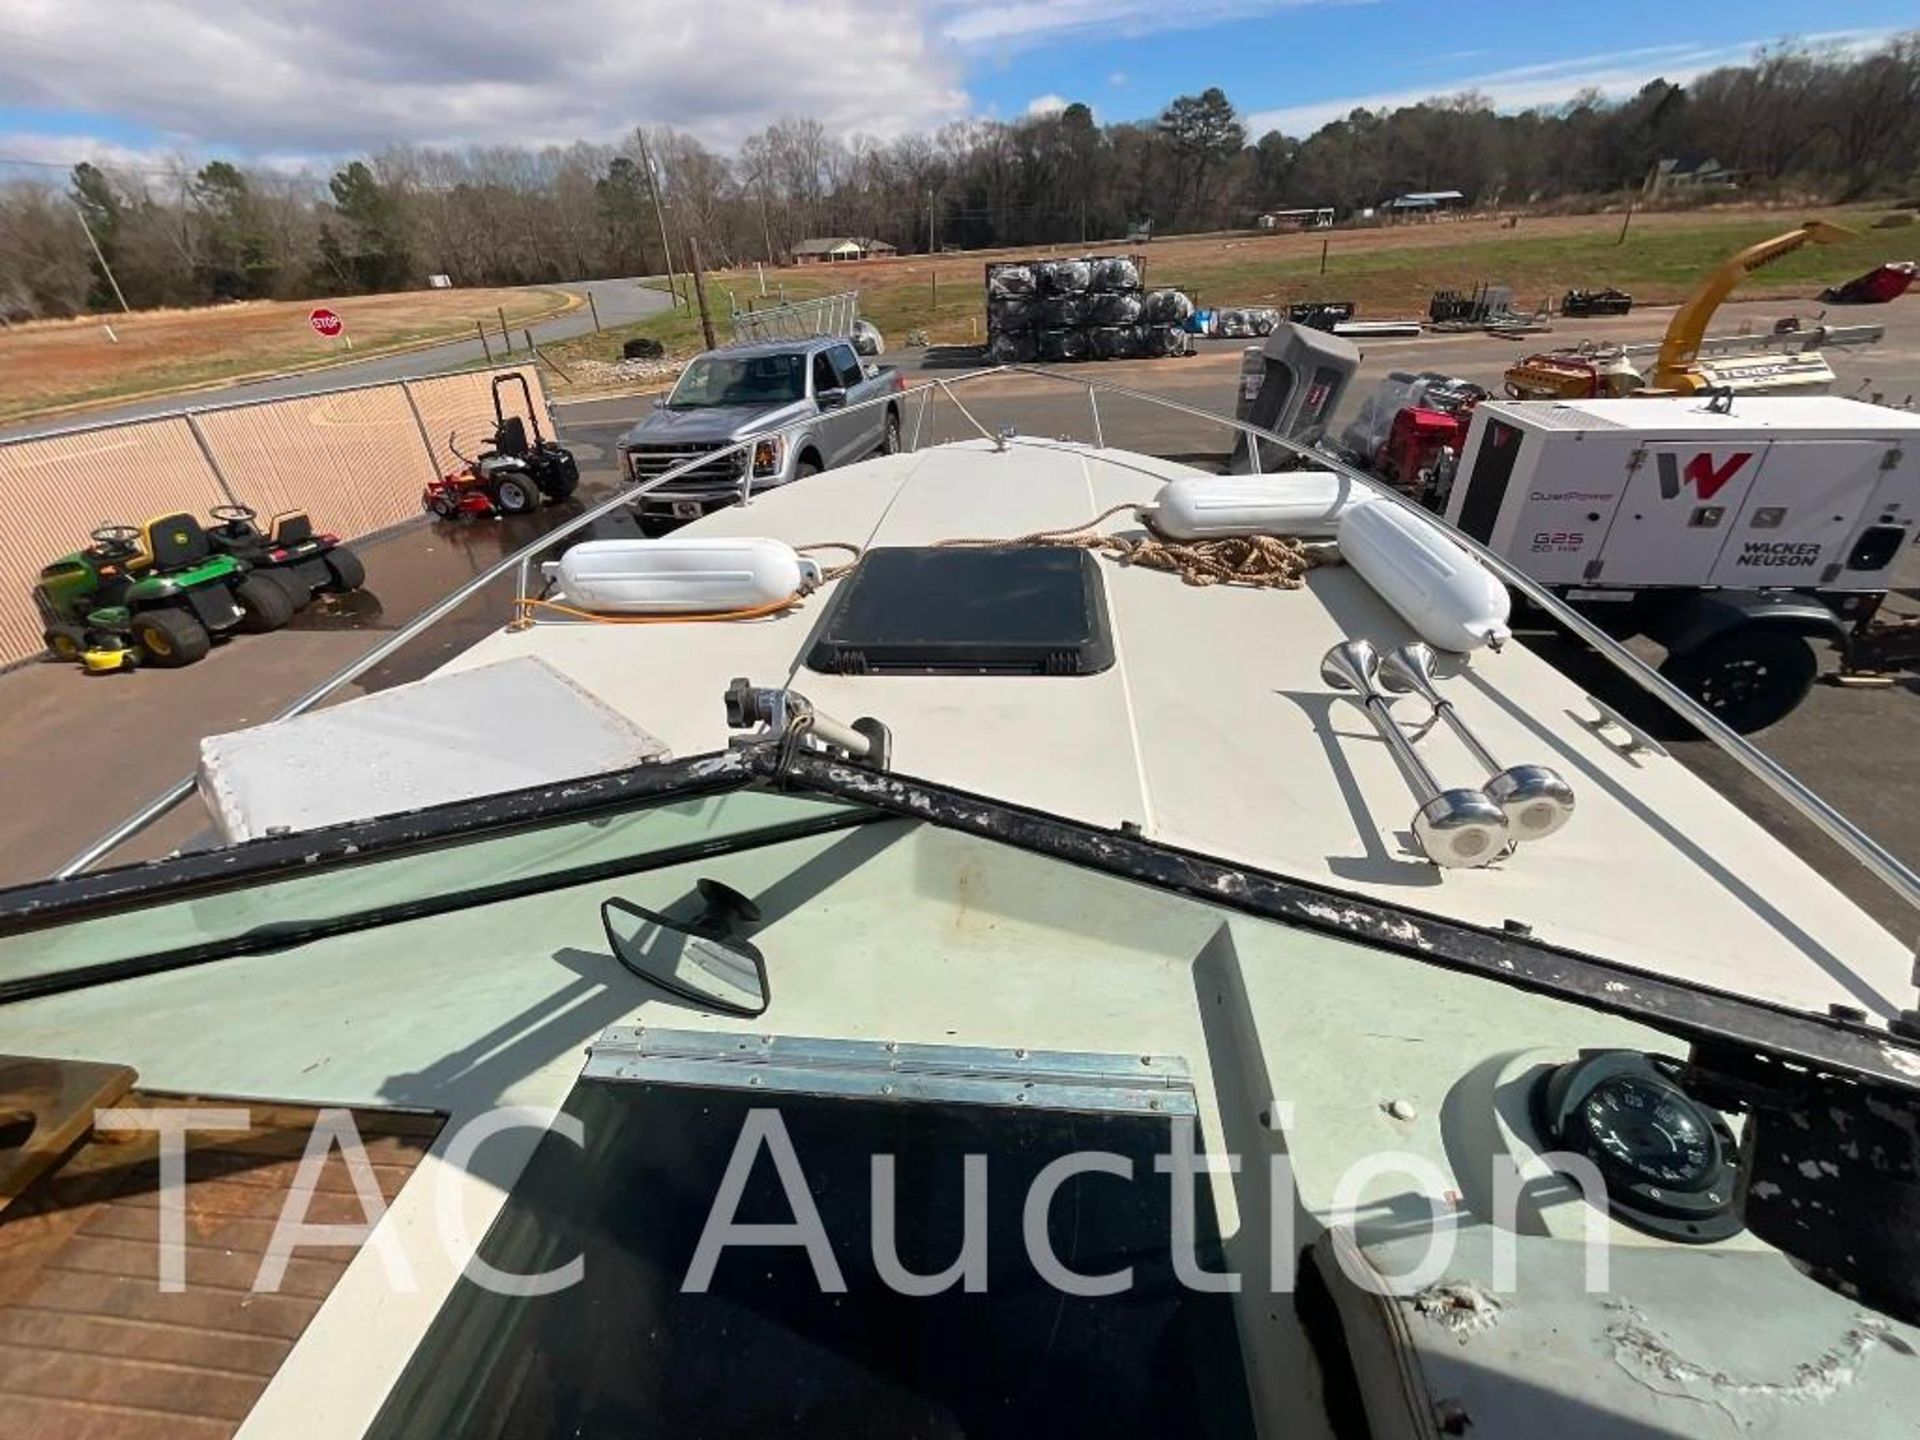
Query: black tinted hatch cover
x=1035 y=610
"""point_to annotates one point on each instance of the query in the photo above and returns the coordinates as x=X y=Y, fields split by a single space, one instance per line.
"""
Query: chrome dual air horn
x=1535 y=800
x=1453 y=827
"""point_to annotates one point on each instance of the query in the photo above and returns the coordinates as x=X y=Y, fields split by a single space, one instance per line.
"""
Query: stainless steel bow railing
x=1891 y=871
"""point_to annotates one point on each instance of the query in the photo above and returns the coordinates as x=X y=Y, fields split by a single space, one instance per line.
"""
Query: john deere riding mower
x=288 y=550
x=155 y=595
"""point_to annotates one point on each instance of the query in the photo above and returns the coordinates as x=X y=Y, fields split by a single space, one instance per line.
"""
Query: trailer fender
x=1706 y=615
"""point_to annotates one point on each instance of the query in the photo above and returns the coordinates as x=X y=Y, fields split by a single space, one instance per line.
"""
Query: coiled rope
x=1268 y=562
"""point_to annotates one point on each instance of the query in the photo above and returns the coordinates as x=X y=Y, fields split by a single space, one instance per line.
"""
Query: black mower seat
x=174 y=542
x=289 y=528
x=511 y=437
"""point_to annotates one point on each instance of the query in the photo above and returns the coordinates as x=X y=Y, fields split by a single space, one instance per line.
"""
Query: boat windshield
x=291 y=899
x=717 y=380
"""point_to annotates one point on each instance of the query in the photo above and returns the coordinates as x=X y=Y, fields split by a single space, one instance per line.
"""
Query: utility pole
x=929 y=222
x=766 y=230
x=106 y=269
x=659 y=213
x=1624 y=224
x=700 y=293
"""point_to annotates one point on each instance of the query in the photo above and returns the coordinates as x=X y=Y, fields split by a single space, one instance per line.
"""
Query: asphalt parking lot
x=78 y=753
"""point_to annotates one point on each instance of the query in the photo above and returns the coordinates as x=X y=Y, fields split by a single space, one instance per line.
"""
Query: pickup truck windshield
x=755 y=380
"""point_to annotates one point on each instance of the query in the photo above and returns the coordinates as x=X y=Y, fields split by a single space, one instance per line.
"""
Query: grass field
x=53 y=364
x=1389 y=272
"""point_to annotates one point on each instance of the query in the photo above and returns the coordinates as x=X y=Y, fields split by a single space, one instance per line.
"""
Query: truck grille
x=647 y=462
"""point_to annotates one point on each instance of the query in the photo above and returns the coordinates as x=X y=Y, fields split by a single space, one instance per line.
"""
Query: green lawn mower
x=156 y=595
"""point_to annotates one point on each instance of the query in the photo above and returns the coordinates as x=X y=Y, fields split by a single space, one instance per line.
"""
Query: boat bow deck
x=1213 y=731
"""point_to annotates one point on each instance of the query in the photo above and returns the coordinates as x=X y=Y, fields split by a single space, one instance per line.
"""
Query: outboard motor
x=1291 y=385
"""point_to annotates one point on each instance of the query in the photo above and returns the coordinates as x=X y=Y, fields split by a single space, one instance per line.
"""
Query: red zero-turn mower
x=514 y=475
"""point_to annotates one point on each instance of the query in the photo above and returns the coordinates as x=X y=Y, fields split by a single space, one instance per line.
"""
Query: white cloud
x=1118 y=77
x=325 y=77
x=1614 y=73
x=1003 y=23
x=1048 y=104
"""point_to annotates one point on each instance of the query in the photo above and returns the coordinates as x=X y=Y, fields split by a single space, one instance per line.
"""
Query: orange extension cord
x=523 y=607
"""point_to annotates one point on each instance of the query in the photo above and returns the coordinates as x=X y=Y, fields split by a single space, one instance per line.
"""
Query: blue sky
x=305 y=82
x=1298 y=65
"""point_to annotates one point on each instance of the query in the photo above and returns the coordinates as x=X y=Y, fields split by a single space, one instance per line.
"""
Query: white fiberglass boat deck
x=1213 y=731
x=1076 y=927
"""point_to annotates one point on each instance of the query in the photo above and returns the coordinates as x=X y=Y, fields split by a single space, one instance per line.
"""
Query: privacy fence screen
x=354 y=459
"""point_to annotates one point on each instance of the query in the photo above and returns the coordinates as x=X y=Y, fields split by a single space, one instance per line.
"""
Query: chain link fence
x=355 y=459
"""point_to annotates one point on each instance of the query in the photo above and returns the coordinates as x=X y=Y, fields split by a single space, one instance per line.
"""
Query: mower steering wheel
x=114 y=537
x=233 y=514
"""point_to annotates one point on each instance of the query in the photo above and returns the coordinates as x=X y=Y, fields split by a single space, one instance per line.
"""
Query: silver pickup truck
x=740 y=391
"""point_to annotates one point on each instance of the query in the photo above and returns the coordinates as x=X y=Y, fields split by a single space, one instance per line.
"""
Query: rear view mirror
x=699 y=961
x=831 y=399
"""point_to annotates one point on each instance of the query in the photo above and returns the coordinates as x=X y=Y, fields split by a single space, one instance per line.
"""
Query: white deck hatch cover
x=453 y=736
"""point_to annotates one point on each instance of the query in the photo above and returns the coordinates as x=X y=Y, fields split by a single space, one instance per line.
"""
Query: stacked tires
x=1080 y=308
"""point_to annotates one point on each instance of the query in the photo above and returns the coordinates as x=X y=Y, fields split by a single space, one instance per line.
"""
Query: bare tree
x=1816 y=121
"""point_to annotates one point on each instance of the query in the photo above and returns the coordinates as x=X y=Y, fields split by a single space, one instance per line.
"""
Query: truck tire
x=265 y=604
x=806 y=466
x=344 y=570
x=890 y=438
x=1749 y=677
x=171 y=638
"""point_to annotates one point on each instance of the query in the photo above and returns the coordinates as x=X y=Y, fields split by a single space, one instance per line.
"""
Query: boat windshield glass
x=317 y=900
x=745 y=380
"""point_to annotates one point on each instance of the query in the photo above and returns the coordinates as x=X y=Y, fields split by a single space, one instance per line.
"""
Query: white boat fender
x=708 y=575
x=1292 y=502
x=1437 y=587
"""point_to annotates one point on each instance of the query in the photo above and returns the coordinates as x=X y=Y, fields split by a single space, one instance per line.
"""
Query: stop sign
x=326 y=322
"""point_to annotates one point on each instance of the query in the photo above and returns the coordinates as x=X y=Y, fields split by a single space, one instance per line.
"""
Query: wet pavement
x=81 y=752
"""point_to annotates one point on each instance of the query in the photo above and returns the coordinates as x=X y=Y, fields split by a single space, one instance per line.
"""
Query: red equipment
x=1876 y=287
x=1420 y=444
x=514 y=475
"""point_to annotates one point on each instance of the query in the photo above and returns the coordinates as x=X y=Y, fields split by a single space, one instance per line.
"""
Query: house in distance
x=840 y=247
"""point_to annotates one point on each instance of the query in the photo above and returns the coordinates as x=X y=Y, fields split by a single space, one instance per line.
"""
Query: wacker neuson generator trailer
x=1733 y=532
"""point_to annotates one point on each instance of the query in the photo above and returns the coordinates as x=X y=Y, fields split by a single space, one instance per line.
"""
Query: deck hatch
x=760 y=1348
x=924 y=610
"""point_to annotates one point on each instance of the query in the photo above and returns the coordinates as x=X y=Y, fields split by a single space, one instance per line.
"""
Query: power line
x=101 y=164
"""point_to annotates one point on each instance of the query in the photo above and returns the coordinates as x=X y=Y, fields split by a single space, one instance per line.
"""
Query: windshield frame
x=1694 y=1013
x=704 y=365
x=41 y=904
